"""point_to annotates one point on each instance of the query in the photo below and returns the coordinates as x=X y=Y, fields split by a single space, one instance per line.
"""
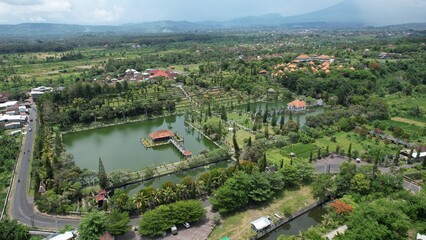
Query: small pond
x=300 y=224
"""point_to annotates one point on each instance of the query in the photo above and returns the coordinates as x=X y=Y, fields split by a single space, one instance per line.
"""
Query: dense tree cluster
x=243 y=188
x=56 y=172
x=9 y=151
x=89 y=102
x=95 y=224
x=11 y=229
x=157 y=221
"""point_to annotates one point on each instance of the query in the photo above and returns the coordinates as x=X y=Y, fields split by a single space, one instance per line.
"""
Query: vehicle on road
x=174 y=230
x=30 y=129
x=186 y=224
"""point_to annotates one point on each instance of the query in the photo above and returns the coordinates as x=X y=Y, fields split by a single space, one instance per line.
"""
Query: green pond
x=299 y=224
x=119 y=146
x=297 y=117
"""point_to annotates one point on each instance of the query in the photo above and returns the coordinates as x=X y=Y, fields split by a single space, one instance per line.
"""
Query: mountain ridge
x=346 y=14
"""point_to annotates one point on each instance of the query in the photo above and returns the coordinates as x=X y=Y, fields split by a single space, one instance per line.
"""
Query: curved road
x=22 y=205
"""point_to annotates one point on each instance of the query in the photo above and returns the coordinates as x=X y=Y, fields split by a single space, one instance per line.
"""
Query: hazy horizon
x=110 y=12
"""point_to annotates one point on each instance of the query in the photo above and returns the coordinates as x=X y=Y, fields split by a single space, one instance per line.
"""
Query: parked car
x=186 y=224
x=174 y=230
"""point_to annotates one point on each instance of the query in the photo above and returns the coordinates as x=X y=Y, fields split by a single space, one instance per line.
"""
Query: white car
x=186 y=224
x=30 y=129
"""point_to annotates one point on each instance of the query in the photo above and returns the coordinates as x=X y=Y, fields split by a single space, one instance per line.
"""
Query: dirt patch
x=84 y=67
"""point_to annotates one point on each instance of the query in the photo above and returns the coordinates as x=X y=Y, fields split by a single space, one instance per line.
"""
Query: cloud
x=37 y=19
x=21 y=2
x=107 y=15
x=128 y=11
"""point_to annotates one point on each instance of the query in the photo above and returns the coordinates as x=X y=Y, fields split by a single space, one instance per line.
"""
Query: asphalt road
x=22 y=205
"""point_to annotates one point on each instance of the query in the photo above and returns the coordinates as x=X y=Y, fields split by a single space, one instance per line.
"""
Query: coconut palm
x=201 y=188
x=139 y=200
x=182 y=191
x=168 y=195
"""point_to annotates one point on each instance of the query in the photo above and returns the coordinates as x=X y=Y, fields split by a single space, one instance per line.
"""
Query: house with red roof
x=158 y=73
x=296 y=105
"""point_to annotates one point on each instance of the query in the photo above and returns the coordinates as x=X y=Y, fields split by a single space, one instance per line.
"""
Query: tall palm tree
x=158 y=197
x=182 y=192
x=139 y=200
x=201 y=188
x=168 y=195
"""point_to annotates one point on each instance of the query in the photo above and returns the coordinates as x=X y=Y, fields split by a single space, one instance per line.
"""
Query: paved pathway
x=334 y=233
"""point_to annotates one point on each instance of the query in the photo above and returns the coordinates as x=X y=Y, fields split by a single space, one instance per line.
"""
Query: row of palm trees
x=150 y=197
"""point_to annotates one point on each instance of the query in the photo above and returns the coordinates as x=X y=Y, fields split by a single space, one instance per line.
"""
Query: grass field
x=241 y=136
x=301 y=150
x=343 y=140
x=237 y=226
x=409 y=121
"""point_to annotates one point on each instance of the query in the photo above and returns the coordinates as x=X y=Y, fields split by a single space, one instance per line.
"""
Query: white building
x=261 y=223
x=4 y=106
x=37 y=92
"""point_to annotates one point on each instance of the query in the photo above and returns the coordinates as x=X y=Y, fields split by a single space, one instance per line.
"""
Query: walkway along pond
x=175 y=177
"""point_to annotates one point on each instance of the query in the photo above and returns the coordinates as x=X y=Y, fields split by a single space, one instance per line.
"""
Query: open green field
x=407 y=101
x=237 y=225
x=241 y=136
x=413 y=128
x=409 y=121
x=302 y=152
x=343 y=140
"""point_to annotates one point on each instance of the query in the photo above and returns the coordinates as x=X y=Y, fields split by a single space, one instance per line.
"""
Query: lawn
x=300 y=150
x=275 y=155
x=409 y=121
x=411 y=128
x=241 y=136
x=237 y=225
x=415 y=131
x=343 y=140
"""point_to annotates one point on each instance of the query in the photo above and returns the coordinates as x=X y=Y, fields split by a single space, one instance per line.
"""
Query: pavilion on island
x=161 y=135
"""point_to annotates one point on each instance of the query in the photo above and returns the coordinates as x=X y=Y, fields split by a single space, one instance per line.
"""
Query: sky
x=115 y=12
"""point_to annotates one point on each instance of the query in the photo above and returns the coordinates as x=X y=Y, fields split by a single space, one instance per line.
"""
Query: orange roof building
x=296 y=105
x=161 y=135
x=303 y=57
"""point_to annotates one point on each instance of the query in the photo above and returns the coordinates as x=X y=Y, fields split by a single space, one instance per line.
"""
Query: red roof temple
x=161 y=134
x=170 y=137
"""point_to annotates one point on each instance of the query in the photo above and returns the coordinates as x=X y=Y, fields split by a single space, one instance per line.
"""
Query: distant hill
x=346 y=14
